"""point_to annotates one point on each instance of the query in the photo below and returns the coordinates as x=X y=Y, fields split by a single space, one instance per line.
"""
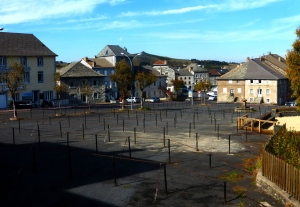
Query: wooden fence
x=285 y=175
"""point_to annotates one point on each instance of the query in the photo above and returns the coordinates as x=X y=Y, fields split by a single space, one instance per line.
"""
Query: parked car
x=133 y=99
x=212 y=98
x=27 y=104
x=291 y=103
x=154 y=99
x=212 y=93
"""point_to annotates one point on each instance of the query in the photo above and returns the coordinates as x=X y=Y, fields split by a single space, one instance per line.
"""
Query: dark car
x=291 y=103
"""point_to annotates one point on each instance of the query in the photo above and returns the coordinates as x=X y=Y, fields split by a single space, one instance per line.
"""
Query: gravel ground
x=46 y=170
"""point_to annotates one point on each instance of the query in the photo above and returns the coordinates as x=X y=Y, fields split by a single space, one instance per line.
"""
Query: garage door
x=3 y=101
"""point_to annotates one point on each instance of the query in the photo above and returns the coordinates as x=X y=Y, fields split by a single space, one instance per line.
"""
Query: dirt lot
x=141 y=158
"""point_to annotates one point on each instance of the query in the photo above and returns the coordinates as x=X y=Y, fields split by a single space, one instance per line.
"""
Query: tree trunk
x=14 y=108
x=123 y=102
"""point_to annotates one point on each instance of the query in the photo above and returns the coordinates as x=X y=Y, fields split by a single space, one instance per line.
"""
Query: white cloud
x=18 y=11
x=249 y=23
x=287 y=20
x=229 y=5
x=116 y=2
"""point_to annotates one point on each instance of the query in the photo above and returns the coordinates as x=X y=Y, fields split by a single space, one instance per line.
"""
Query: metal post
x=129 y=147
x=82 y=131
x=134 y=133
x=190 y=129
x=117 y=118
x=167 y=127
x=114 y=170
x=123 y=125
x=68 y=140
x=33 y=158
x=197 y=148
x=70 y=164
x=218 y=132
x=215 y=125
x=246 y=134
x=237 y=127
x=19 y=122
x=104 y=124
x=60 y=128
x=165 y=176
x=39 y=134
x=209 y=160
x=96 y=143
x=108 y=133
x=229 y=144
x=169 y=147
x=225 y=192
x=69 y=120
x=164 y=136
x=13 y=131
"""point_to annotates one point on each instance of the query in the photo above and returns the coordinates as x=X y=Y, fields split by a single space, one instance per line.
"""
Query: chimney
x=85 y=59
x=279 y=58
x=166 y=62
x=93 y=64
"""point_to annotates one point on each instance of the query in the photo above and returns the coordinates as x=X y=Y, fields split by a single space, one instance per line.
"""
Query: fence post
x=70 y=164
x=13 y=131
x=169 y=147
x=209 y=160
x=114 y=170
x=96 y=143
x=197 y=149
x=129 y=147
x=229 y=144
x=82 y=131
x=108 y=133
x=68 y=140
x=60 y=129
x=165 y=176
x=225 y=192
x=33 y=159
x=164 y=137
x=134 y=133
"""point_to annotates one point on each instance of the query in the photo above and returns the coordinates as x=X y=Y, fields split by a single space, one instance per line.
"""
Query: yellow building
x=39 y=66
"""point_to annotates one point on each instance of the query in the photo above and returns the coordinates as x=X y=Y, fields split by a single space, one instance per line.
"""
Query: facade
x=103 y=66
x=39 y=66
x=113 y=54
x=187 y=76
x=258 y=80
x=79 y=77
x=163 y=68
x=200 y=73
x=157 y=89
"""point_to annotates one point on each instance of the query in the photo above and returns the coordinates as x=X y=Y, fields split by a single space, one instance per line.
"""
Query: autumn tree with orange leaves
x=293 y=71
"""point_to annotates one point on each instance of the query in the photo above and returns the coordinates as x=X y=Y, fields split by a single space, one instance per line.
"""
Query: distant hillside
x=149 y=59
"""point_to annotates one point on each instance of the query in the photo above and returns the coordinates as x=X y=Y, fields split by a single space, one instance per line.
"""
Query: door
x=36 y=97
x=231 y=92
x=259 y=92
x=3 y=100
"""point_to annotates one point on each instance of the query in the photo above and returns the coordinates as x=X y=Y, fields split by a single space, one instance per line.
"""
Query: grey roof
x=148 y=69
x=18 y=44
x=77 y=70
x=112 y=50
x=197 y=68
x=257 y=68
x=98 y=62
x=184 y=72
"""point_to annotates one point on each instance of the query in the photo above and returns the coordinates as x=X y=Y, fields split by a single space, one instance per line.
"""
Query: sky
x=224 y=30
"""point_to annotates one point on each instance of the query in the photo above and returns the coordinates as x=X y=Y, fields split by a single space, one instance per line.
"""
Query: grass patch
x=252 y=165
x=232 y=176
x=240 y=191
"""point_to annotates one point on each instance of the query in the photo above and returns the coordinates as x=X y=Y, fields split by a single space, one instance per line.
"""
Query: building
x=39 y=66
x=156 y=89
x=103 y=66
x=258 y=80
x=81 y=77
x=163 y=68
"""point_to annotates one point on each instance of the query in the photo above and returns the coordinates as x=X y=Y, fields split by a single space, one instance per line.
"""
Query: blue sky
x=224 y=30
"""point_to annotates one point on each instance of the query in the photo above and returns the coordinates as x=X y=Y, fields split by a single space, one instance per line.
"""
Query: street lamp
x=131 y=66
x=1 y=28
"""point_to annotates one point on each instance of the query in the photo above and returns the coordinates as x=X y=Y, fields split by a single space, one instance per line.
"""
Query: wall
x=236 y=86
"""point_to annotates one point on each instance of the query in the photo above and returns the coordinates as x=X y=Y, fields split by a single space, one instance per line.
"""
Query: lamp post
x=131 y=66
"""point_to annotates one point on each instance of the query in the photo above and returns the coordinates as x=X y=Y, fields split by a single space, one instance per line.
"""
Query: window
x=189 y=78
x=224 y=90
x=259 y=91
x=94 y=82
x=17 y=97
x=259 y=81
x=154 y=83
x=40 y=61
x=40 y=77
x=232 y=92
x=230 y=81
x=251 y=91
x=267 y=91
x=251 y=81
x=105 y=72
x=48 y=95
x=26 y=77
x=95 y=95
x=239 y=90
x=268 y=100
x=251 y=99
x=72 y=97
x=23 y=61
x=72 y=84
x=2 y=61
x=83 y=83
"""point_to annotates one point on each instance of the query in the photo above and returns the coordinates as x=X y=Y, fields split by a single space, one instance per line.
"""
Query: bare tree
x=60 y=88
x=13 y=77
x=87 y=90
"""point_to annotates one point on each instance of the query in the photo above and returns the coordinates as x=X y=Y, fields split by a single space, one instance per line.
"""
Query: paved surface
x=43 y=169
